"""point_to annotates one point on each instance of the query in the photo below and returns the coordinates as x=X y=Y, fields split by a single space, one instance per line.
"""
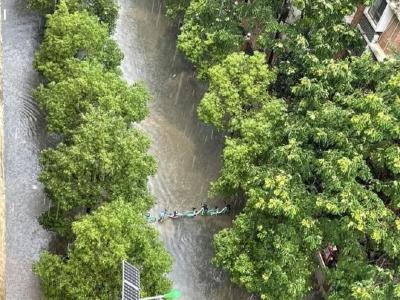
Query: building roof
x=395 y=5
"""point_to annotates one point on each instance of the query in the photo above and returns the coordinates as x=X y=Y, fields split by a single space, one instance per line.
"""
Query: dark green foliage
x=289 y=36
x=176 y=8
x=105 y=10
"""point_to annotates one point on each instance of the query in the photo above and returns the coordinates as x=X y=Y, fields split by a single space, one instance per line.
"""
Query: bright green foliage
x=105 y=10
x=209 y=33
x=315 y=152
x=92 y=268
x=238 y=88
x=76 y=36
x=102 y=165
x=104 y=161
x=321 y=168
x=267 y=256
x=87 y=85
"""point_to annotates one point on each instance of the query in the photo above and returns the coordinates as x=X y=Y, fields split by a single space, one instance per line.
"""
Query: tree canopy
x=101 y=165
x=88 y=85
x=104 y=161
x=311 y=146
x=209 y=33
x=176 y=8
x=105 y=10
x=92 y=267
x=319 y=169
x=287 y=31
x=79 y=36
x=237 y=89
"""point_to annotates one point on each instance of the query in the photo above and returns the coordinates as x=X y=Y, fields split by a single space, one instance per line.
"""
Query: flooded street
x=188 y=152
x=24 y=137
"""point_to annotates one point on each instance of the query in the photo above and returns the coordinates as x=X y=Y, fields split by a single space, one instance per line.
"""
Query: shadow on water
x=188 y=152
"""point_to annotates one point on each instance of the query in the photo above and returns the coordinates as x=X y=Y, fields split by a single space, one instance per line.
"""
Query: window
x=376 y=10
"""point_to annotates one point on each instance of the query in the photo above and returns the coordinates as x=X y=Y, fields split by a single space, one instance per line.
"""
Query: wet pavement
x=188 y=152
x=24 y=137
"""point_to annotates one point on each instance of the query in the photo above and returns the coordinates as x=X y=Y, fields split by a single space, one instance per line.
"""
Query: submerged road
x=188 y=152
x=24 y=137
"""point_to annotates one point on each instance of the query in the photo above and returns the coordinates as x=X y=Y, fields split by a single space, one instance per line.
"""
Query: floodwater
x=188 y=152
x=24 y=137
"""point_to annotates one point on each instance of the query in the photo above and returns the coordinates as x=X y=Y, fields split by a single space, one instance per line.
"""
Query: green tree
x=210 y=31
x=318 y=33
x=289 y=32
x=88 y=85
x=104 y=161
x=237 y=89
x=105 y=10
x=176 y=8
x=102 y=164
x=77 y=36
x=321 y=168
x=92 y=266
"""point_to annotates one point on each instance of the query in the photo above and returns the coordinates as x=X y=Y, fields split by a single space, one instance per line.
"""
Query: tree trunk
x=283 y=16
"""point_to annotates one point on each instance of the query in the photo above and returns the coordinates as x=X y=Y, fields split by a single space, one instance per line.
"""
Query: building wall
x=385 y=19
x=390 y=38
x=359 y=14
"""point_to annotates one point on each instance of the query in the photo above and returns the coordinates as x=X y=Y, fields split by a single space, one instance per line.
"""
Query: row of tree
x=96 y=177
x=312 y=145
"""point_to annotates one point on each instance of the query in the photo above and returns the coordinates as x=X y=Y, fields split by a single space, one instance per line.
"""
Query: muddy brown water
x=188 y=152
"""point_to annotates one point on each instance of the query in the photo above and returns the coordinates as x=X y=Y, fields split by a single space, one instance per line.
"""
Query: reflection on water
x=187 y=151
